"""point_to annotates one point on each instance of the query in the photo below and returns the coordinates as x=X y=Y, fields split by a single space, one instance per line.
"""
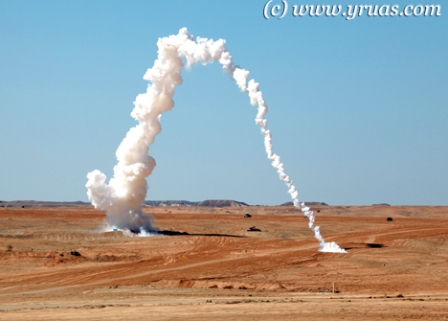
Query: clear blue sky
x=358 y=109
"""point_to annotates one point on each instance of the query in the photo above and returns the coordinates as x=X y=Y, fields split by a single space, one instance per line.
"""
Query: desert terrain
x=61 y=263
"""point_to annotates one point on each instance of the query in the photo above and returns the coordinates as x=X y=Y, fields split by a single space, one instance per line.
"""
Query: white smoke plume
x=123 y=197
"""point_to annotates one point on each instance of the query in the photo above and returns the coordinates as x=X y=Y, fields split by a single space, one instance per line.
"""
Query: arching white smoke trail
x=123 y=197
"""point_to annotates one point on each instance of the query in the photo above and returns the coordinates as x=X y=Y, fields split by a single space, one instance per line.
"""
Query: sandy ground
x=395 y=270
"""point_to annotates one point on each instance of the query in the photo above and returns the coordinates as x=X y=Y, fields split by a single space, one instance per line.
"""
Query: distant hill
x=210 y=203
x=307 y=203
x=26 y=204
x=37 y=204
x=221 y=203
x=170 y=203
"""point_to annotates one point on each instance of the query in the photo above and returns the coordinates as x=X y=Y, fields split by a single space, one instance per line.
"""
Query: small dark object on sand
x=75 y=253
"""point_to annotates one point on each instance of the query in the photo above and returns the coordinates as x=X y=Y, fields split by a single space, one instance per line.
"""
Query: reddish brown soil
x=394 y=269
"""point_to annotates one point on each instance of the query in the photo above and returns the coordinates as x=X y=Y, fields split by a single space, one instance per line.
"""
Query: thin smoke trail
x=123 y=197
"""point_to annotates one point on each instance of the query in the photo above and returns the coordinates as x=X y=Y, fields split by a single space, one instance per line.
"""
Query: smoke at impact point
x=123 y=197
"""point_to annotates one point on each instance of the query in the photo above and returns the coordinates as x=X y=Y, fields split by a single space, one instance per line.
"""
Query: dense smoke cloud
x=123 y=197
